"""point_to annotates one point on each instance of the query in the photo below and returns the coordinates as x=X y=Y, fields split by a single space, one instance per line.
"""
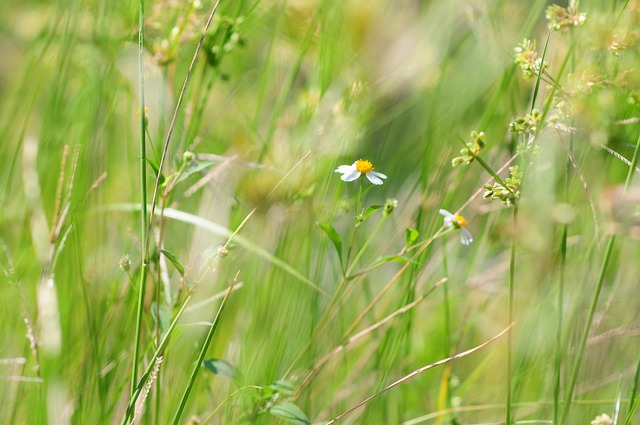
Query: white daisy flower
x=361 y=166
x=458 y=222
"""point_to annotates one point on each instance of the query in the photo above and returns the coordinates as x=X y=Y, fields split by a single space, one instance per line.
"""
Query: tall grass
x=202 y=262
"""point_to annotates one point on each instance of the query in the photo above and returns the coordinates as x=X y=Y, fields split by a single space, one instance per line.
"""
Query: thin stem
x=587 y=328
x=563 y=264
x=355 y=230
x=596 y=296
x=417 y=372
x=203 y=352
x=634 y=393
x=512 y=274
x=143 y=379
x=143 y=201
x=365 y=246
x=536 y=90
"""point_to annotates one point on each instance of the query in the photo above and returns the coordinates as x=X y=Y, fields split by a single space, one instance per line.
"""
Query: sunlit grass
x=276 y=292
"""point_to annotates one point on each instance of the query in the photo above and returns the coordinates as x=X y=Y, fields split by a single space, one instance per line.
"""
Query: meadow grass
x=177 y=247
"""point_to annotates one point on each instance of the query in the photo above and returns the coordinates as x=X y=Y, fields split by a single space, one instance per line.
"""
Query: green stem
x=495 y=176
x=560 y=304
x=447 y=324
x=365 y=246
x=143 y=201
x=596 y=296
x=539 y=77
x=355 y=230
x=203 y=352
x=140 y=385
x=512 y=275
x=563 y=263
x=634 y=393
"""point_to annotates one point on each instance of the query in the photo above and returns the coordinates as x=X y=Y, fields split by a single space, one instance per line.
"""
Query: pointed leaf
x=155 y=168
x=220 y=367
x=370 y=210
x=283 y=386
x=410 y=236
x=290 y=413
x=334 y=236
x=195 y=168
x=174 y=261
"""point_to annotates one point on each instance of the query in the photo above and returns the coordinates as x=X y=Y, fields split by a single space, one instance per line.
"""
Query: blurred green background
x=287 y=91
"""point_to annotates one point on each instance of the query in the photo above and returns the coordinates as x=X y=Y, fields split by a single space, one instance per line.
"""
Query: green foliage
x=290 y=413
x=279 y=93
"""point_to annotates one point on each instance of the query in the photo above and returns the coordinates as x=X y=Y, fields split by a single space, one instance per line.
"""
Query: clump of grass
x=120 y=232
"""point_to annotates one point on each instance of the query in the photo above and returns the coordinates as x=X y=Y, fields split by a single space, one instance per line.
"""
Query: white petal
x=374 y=179
x=465 y=236
x=345 y=169
x=377 y=174
x=448 y=218
x=351 y=176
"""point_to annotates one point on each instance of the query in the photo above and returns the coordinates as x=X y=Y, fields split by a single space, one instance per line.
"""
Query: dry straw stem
x=419 y=371
x=324 y=360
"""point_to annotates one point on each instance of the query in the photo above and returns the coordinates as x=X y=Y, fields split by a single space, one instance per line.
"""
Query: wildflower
x=471 y=150
x=528 y=60
x=389 y=206
x=527 y=124
x=603 y=419
x=188 y=157
x=509 y=193
x=561 y=19
x=458 y=222
x=125 y=263
x=361 y=166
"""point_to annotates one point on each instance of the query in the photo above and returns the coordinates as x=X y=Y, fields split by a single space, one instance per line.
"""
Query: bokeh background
x=281 y=94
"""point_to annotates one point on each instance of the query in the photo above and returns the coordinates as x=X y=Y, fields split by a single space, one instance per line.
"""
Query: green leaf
x=410 y=236
x=195 y=168
x=391 y=259
x=165 y=315
x=334 y=236
x=282 y=386
x=156 y=169
x=220 y=367
x=290 y=413
x=174 y=261
x=370 y=210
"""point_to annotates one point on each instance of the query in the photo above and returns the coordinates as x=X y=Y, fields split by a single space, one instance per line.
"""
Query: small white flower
x=603 y=419
x=361 y=166
x=458 y=222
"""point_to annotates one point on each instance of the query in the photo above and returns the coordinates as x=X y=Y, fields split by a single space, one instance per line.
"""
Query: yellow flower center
x=364 y=166
x=461 y=221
